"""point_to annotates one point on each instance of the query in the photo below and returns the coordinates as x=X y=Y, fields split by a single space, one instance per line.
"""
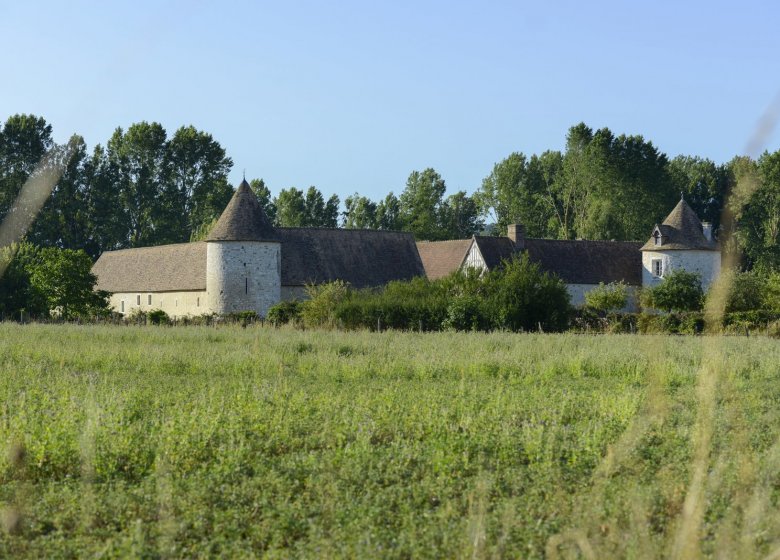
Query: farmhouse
x=246 y=264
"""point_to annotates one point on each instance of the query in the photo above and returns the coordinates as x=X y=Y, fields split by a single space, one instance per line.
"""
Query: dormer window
x=658 y=238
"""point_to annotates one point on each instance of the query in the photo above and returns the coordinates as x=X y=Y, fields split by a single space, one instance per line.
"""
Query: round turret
x=243 y=258
x=681 y=242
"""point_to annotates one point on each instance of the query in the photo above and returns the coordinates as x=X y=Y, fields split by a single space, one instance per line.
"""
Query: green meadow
x=154 y=442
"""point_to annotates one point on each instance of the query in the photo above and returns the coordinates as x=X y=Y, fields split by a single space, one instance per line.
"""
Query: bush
x=466 y=313
x=680 y=291
x=284 y=312
x=158 y=317
x=746 y=291
x=523 y=297
x=319 y=309
x=607 y=297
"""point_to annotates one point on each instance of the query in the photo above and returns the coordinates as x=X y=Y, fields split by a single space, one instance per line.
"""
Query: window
x=197 y=302
x=122 y=306
x=657 y=267
x=138 y=299
x=657 y=239
x=246 y=285
x=150 y=299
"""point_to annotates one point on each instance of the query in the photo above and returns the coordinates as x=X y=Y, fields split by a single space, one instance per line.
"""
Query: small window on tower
x=122 y=306
x=657 y=267
x=138 y=299
x=197 y=302
x=246 y=285
x=657 y=238
x=149 y=299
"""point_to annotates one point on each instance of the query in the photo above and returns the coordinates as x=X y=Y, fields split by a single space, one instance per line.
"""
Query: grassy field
x=160 y=442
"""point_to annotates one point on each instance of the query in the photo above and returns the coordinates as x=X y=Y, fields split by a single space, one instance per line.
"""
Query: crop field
x=201 y=442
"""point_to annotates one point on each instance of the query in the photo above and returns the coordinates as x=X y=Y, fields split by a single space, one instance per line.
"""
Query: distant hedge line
x=517 y=296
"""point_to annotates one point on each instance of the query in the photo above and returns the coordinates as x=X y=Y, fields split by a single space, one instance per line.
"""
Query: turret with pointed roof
x=681 y=242
x=680 y=231
x=243 y=219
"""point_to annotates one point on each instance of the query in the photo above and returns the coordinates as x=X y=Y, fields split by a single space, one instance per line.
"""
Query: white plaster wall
x=175 y=304
x=474 y=258
x=706 y=263
x=243 y=276
x=578 y=291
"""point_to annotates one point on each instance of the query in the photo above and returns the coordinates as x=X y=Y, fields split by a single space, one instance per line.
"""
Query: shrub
x=607 y=297
x=523 y=297
x=746 y=291
x=319 y=309
x=680 y=291
x=466 y=313
x=158 y=317
x=284 y=312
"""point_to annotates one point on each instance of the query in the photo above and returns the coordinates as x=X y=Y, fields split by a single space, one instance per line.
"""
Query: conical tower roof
x=681 y=230
x=243 y=219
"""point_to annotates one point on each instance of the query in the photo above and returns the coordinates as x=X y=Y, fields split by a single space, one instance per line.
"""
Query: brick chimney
x=516 y=232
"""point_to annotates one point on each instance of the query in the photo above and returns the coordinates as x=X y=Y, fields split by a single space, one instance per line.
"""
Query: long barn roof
x=574 y=261
x=364 y=258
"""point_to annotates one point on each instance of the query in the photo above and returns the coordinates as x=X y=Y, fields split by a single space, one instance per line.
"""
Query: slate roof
x=575 y=262
x=440 y=258
x=494 y=249
x=243 y=219
x=681 y=231
x=166 y=268
x=588 y=262
x=363 y=258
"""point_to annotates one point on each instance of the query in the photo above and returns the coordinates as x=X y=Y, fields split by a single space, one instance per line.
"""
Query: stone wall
x=175 y=304
x=243 y=276
x=706 y=263
x=578 y=291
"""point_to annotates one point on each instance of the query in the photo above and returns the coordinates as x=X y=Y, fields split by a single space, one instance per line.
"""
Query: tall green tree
x=154 y=208
x=460 y=216
x=108 y=221
x=523 y=190
x=64 y=220
x=756 y=207
x=24 y=139
x=421 y=205
x=196 y=177
x=319 y=212
x=388 y=213
x=291 y=208
x=263 y=194
x=616 y=187
x=704 y=185
x=359 y=212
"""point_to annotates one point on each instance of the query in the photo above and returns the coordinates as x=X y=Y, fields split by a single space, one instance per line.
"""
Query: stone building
x=681 y=242
x=581 y=264
x=246 y=264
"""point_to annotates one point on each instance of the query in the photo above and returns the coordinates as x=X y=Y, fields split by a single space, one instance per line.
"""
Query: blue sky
x=353 y=96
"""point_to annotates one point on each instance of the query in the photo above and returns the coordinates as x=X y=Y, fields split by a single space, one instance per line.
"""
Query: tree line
x=148 y=187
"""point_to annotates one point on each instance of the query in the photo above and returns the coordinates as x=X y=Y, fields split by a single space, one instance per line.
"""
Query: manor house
x=246 y=264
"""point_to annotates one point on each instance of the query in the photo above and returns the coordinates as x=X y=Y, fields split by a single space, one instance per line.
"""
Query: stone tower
x=681 y=242
x=243 y=258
